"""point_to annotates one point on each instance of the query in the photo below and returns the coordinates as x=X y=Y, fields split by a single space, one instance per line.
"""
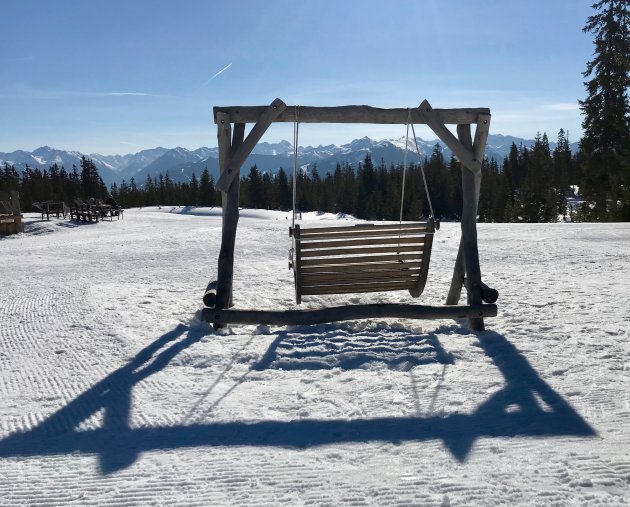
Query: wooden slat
x=350 y=114
x=315 y=278
x=329 y=278
x=351 y=289
x=383 y=284
x=309 y=245
x=361 y=250
x=359 y=259
x=349 y=234
x=363 y=268
x=368 y=227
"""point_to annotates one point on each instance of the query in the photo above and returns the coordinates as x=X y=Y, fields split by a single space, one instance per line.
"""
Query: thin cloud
x=29 y=92
x=217 y=74
x=563 y=106
x=16 y=58
x=126 y=94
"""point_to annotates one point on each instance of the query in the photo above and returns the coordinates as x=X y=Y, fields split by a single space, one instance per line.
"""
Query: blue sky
x=117 y=77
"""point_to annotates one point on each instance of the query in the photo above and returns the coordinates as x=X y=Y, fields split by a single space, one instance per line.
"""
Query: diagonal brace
x=464 y=154
x=237 y=159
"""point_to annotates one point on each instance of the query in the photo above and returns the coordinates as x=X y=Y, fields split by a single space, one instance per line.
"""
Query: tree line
x=530 y=185
x=54 y=183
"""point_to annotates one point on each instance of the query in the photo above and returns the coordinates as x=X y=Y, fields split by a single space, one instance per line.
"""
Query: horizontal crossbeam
x=351 y=114
x=351 y=312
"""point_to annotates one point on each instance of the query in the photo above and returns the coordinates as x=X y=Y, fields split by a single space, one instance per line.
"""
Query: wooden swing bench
x=360 y=258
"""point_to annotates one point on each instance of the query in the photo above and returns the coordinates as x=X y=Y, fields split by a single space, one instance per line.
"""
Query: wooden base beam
x=351 y=312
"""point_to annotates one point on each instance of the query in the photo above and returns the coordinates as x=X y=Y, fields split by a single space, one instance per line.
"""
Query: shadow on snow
x=341 y=346
x=118 y=446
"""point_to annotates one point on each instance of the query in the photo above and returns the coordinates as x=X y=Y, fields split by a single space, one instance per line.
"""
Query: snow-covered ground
x=114 y=393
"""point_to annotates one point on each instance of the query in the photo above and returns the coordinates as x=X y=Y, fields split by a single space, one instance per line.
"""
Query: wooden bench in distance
x=81 y=211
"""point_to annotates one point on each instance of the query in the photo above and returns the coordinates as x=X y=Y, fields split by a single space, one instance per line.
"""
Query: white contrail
x=133 y=94
x=220 y=72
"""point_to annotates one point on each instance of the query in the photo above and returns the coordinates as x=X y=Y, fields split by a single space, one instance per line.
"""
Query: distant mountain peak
x=181 y=162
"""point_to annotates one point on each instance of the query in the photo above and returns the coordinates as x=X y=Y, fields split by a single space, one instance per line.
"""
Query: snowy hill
x=113 y=393
x=128 y=165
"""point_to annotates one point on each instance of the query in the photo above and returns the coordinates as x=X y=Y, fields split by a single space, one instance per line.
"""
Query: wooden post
x=470 y=158
x=224 y=131
x=459 y=274
x=233 y=195
x=471 y=182
x=489 y=295
x=230 y=219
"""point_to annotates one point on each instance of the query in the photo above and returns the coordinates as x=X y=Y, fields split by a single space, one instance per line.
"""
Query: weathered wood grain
x=463 y=153
x=348 y=312
x=351 y=114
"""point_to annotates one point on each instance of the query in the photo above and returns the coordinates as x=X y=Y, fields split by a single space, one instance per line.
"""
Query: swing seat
x=362 y=258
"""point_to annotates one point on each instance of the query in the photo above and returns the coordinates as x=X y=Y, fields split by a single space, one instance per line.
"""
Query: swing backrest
x=362 y=258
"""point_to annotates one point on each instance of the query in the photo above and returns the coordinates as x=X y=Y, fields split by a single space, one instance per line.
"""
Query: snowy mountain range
x=181 y=163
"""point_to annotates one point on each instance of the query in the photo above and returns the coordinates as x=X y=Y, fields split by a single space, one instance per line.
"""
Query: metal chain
x=402 y=191
x=424 y=178
x=296 y=129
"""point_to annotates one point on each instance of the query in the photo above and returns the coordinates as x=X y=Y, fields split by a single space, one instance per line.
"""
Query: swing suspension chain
x=402 y=192
x=424 y=178
x=296 y=130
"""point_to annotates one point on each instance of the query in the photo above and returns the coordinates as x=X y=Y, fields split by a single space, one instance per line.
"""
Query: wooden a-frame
x=234 y=149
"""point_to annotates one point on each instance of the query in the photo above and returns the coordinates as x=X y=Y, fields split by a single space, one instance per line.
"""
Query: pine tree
x=9 y=178
x=437 y=177
x=253 y=189
x=193 y=194
x=269 y=196
x=91 y=182
x=538 y=202
x=562 y=171
x=366 y=190
x=284 y=192
x=149 y=192
x=206 y=189
x=605 y=147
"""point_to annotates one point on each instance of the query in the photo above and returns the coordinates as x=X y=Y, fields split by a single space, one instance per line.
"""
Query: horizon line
x=91 y=152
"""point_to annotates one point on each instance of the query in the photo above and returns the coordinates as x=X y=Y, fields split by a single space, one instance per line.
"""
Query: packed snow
x=113 y=392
